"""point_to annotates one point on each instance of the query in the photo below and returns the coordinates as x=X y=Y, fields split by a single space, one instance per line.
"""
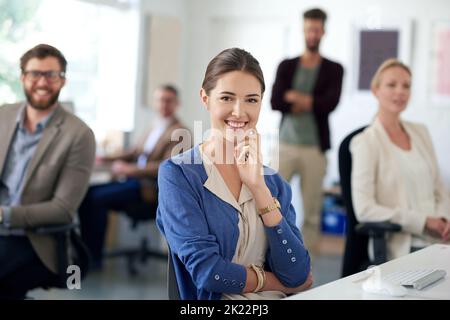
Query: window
x=100 y=43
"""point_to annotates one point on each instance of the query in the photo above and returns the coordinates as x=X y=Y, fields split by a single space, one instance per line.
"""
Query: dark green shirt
x=301 y=128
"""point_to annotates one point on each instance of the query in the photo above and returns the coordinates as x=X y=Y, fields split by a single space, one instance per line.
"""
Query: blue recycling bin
x=333 y=217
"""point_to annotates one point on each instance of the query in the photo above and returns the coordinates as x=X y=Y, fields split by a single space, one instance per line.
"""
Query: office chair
x=356 y=257
x=66 y=235
x=138 y=213
x=75 y=254
x=172 y=285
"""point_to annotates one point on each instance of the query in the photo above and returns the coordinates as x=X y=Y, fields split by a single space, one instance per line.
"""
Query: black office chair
x=77 y=254
x=67 y=236
x=172 y=285
x=138 y=213
x=356 y=256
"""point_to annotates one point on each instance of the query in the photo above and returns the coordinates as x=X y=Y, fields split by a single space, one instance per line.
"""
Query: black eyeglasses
x=50 y=76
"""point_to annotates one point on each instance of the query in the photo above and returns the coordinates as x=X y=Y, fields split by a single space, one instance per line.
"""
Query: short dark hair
x=233 y=59
x=169 y=87
x=42 y=51
x=316 y=13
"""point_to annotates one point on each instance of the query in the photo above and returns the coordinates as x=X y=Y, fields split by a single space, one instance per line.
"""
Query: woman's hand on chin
x=247 y=154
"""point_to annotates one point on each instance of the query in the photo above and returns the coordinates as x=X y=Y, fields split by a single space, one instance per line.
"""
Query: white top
x=251 y=246
x=380 y=191
x=152 y=140
x=418 y=183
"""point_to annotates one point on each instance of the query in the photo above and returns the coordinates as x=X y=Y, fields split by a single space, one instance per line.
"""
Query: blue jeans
x=94 y=209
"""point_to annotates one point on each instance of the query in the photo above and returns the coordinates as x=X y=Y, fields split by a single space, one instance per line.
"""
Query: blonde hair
x=387 y=64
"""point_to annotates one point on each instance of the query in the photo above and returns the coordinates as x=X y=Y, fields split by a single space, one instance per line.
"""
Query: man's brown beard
x=41 y=105
x=313 y=48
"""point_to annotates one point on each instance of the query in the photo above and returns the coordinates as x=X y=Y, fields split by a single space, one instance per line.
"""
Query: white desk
x=100 y=175
x=436 y=256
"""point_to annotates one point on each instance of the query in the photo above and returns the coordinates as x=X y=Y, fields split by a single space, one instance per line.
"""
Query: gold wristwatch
x=275 y=205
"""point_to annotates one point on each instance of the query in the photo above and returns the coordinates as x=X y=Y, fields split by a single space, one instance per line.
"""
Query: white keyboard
x=418 y=279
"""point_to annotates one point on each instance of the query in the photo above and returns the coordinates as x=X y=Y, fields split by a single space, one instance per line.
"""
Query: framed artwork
x=440 y=63
x=373 y=45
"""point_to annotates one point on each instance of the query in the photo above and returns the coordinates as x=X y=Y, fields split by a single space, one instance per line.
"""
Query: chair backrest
x=355 y=255
x=82 y=256
x=78 y=255
x=172 y=286
x=145 y=210
x=70 y=250
x=141 y=212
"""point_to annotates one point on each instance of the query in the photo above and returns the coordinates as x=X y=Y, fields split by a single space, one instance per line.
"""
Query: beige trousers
x=311 y=164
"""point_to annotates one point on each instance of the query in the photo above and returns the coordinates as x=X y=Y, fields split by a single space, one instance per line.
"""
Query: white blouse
x=419 y=185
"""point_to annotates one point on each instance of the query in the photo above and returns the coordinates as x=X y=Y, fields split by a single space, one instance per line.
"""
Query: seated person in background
x=46 y=159
x=136 y=171
x=230 y=227
x=395 y=175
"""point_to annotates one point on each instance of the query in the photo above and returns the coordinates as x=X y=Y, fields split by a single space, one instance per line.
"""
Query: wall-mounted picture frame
x=439 y=84
x=375 y=44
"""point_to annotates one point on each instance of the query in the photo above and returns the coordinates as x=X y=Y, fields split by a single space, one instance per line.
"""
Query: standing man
x=46 y=158
x=135 y=172
x=306 y=91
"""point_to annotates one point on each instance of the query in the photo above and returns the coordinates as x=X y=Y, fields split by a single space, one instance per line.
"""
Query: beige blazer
x=378 y=189
x=57 y=176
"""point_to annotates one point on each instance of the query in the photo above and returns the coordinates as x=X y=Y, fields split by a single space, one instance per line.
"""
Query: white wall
x=338 y=44
x=144 y=113
x=170 y=8
x=201 y=18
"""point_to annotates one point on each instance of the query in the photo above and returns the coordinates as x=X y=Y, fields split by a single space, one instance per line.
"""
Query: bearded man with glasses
x=46 y=159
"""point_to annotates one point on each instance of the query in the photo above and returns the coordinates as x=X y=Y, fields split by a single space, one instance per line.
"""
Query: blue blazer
x=202 y=232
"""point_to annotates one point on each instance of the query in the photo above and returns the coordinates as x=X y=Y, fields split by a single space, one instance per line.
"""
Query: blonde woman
x=395 y=175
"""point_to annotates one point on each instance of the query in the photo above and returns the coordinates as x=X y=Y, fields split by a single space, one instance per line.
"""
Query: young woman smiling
x=227 y=219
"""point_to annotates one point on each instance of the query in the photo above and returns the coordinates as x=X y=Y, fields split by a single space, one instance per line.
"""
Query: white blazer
x=378 y=188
